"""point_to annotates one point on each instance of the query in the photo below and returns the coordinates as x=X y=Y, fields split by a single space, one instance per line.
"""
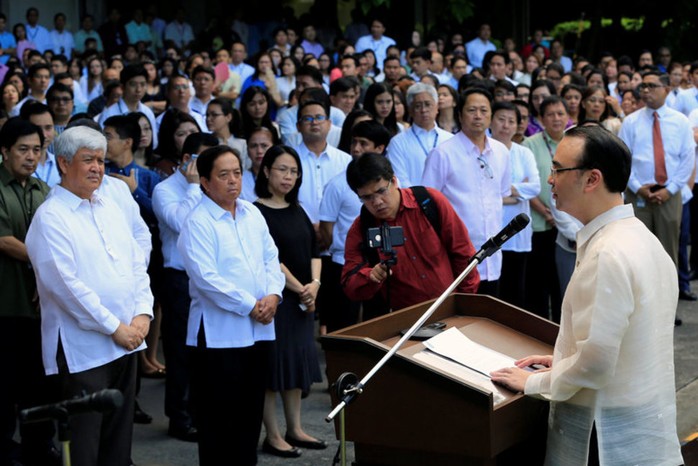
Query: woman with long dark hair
x=264 y=77
x=540 y=89
x=448 y=118
x=379 y=101
x=257 y=109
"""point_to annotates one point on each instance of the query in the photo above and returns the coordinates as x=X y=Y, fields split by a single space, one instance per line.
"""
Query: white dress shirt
x=120 y=108
x=317 y=172
x=474 y=188
x=613 y=362
x=686 y=101
x=62 y=42
x=408 y=150
x=200 y=120
x=232 y=263
x=341 y=206
x=333 y=137
x=94 y=93
x=197 y=106
x=119 y=193
x=91 y=277
x=526 y=179
x=679 y=147
x=243 y=69
x=173 y=199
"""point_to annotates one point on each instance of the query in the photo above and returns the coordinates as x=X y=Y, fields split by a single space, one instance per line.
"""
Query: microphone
x=101 y=401
x=493 y=244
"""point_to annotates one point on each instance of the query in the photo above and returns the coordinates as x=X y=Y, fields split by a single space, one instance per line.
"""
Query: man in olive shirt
x=23 y=382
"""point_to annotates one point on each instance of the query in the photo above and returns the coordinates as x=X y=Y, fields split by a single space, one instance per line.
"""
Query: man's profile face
x=348 y=67
x=305 y=82
x=381 y=198
x=84 y=173
x=420 y=66
x=361 y=145
x=567 y=186
x=45 y=122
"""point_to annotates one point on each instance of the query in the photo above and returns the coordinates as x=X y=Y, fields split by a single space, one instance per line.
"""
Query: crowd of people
x=155 y=190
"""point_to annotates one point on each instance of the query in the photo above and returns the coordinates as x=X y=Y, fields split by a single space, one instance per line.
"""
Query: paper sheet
x=452 y=344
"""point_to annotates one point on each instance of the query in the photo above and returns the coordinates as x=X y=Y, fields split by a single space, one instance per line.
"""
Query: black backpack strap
x=428 y=206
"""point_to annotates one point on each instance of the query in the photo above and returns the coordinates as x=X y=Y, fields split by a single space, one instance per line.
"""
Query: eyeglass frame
x=380 y=192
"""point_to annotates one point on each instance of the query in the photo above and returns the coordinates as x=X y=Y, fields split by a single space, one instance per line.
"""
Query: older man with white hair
x=95 y=296
x=408 y=150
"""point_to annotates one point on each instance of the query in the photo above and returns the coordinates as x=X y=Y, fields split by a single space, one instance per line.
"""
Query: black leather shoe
x=141 y=417
x=310 y=445
x=269 y=448
x=687 y=296
x=186 y=434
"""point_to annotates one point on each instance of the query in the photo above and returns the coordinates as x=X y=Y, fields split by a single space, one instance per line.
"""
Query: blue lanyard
x=424 y=149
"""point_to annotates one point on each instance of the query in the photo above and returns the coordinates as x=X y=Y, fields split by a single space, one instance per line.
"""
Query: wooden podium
x=421 y=409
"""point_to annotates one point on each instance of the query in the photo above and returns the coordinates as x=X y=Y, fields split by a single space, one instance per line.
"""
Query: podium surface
x=423 y=409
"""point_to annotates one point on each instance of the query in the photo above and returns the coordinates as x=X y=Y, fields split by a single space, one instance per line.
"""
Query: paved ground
x=152 y=447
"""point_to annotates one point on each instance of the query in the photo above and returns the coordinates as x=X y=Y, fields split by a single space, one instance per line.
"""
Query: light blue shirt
x=62 y=43
x=7 y=41
x=173 y=199
x=317 y=172
x=340 y=205
x=686 y=101
x=232 y=263
x=476 y=50
x=40 y=36
x=379 y=47
x=679 y=147
x=138 y=32
x=408 y=152
x=81 y=36
x=48 y=172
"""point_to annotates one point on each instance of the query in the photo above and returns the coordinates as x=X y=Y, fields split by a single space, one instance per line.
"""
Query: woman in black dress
x=295 y=363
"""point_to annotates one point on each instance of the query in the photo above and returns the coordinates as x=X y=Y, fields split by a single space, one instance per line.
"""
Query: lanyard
x=547 y=144
x=424 y=149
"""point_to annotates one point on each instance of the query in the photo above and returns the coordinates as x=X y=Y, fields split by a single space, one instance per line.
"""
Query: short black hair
x=58 y=87
x=61 y=58
x=132 y=71
x=15 y=128
x=353 y=57
x=552 y=100
x=205 y=161
x=36 y=67
x=316 y=94
x=261 y=185
x=194 y=142
x=470 y=91
x=507 y=106
x=34 y=108
x=373 y=131
x=421 y=52
x=203 y=69
x=126 y=127
x=342 y=85
x=606 y=152
x=369 y=168
x=306 y=70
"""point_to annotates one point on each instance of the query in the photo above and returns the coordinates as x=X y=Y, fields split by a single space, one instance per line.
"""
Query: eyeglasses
x=312 y=118
x=381 y=192
x=555 y=171
x=284 y=170
x=426 y=105
x=213 y=115
x=649 y=86
x=486 y=167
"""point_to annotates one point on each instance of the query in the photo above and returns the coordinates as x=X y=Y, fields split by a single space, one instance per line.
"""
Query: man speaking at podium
x=612 y=369
x=436 y=248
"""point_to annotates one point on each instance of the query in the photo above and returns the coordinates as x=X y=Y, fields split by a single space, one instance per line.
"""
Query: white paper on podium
x=453 y=345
